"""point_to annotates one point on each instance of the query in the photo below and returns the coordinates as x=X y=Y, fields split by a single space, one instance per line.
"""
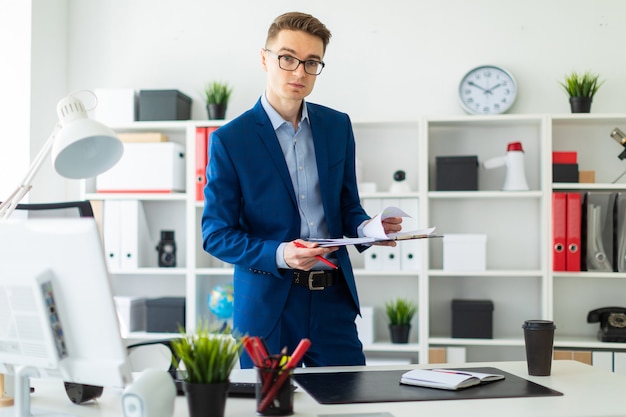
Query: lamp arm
x=8 y=206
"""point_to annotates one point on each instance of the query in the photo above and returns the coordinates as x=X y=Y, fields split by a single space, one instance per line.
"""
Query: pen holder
x=274 y=393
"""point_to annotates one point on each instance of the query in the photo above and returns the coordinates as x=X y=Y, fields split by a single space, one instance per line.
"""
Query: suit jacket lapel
x=267 y=136
x=321 y=134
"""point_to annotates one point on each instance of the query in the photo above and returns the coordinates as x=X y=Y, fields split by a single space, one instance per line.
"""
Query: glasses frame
x=300 y=62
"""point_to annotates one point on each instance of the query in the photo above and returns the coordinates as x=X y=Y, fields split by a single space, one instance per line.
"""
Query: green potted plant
x=581 y=87
x=217 y=95
x=208 y=357
x=400 y=312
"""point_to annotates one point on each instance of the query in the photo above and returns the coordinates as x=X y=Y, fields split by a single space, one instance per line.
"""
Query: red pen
x=320 y=258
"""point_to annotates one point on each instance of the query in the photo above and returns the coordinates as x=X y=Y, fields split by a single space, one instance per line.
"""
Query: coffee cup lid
x=538 y=325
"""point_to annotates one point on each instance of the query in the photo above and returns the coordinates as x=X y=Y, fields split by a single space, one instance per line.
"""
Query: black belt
x=316 y=280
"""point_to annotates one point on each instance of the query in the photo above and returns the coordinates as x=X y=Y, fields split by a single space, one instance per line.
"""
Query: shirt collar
x=275 y=118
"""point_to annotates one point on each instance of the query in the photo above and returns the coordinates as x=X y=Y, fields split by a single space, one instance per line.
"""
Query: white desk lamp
x=81 y=148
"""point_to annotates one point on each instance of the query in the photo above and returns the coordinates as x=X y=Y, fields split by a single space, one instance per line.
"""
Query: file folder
x=391 y=254
x=136 y=246
x=111 y=219
x=572 y=234
x=620 y=232
x=598 y=229
x=373 y=260
x=559 y=225
x=410 y=249
x=201 y=161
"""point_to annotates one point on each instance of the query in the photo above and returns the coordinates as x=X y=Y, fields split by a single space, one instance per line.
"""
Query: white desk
x=588 y=392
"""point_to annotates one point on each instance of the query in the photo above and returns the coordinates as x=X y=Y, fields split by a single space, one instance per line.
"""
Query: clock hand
x=476 y=85
x=490 y=90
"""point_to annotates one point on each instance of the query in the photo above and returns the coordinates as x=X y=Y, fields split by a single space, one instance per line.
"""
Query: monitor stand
x=21 y=406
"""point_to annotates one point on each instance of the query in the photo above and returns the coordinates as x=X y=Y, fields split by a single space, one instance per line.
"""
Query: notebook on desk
x=384 y=386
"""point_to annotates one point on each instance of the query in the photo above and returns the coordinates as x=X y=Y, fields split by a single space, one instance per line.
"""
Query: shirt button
x=302 y=197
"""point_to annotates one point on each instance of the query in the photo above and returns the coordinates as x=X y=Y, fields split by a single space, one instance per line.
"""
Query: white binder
x=136 y=246
x=391 y=255
x=373 y=255
x=410 y=249
x=111 y=234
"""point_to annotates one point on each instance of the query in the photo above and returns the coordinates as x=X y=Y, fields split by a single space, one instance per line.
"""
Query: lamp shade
x=82 y=147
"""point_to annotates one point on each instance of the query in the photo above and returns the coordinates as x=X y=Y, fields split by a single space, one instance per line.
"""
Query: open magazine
x=450 y=379
x=374 y=231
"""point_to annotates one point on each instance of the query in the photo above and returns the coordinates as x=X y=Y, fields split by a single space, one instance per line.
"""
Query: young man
x=279 y=174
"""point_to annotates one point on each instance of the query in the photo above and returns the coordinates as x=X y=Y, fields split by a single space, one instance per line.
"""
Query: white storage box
x=464 y=252
x=146 y=168
x=115 y=106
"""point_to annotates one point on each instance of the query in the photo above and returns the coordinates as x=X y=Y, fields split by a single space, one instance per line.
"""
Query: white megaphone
x=515 y=179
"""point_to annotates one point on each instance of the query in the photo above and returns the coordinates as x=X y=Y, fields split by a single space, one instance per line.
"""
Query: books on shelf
x=450 y=379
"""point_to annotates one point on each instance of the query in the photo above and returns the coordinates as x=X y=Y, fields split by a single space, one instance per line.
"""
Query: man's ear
x=263 y=59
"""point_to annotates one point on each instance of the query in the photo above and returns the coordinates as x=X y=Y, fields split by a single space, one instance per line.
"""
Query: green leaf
x=581 y=85
x=400 y=311
x=217 y=93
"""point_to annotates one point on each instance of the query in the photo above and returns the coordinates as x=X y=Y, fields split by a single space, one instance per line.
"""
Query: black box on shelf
x=564 y=172
x=457 y=173
x=164 y=105
x=472 y=319
x=165 y=314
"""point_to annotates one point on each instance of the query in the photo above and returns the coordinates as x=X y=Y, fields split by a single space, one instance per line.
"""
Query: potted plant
x=217 y=95
x=581 y=88
x=400 y=312
x=209 y=357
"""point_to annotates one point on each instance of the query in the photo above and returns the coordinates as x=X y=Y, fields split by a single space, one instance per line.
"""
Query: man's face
x=291 y=85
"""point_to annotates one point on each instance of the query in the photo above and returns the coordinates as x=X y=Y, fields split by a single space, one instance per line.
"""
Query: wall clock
x=487 y=89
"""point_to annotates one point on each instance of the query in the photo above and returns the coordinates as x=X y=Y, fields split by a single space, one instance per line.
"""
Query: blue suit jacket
x=250 y=206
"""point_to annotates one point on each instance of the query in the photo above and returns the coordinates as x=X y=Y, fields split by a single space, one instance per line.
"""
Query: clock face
x=487 y=90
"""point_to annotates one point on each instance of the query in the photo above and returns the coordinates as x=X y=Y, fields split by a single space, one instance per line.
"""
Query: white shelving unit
x=519 y=277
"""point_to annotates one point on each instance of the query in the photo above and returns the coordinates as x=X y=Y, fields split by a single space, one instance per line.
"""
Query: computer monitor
x=57 y=314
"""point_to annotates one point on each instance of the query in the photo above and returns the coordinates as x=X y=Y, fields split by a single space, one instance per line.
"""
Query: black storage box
x=165 y=314
x=472 y=319
x=164 y=105
x=564 y=172
x=457 y=173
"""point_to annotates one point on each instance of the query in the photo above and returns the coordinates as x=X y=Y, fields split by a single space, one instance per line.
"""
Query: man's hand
x=304 y=258
x=390 y=225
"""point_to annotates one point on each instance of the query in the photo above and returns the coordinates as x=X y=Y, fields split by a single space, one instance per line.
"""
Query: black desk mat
x=384 y=386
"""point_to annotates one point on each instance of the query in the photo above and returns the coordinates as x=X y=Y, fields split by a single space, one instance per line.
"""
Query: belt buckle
x=311 y=275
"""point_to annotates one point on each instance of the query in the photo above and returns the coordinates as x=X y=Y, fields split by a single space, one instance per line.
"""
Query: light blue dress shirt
x=299 y=152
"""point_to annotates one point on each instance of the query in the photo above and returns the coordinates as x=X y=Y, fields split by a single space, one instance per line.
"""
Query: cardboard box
x=464 y=252
x=146 y=168
x=472 y=319
x=164 y=105
x=457 y=173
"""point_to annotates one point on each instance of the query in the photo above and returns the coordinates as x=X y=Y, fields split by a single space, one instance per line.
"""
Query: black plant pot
x=580 y=104
x=216 y=111
x=399 y=333
x=206 y=400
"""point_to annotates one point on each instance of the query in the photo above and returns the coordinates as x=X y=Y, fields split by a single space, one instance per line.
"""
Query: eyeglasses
x=291 y=63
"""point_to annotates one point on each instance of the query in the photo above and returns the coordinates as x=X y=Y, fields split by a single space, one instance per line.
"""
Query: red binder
x=573 y=230
x=201 y=161
x=559 y=229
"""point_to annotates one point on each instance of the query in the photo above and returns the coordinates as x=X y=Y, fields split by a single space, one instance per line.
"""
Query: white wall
x=394 y=59
x=387 y=60
x=15 y=35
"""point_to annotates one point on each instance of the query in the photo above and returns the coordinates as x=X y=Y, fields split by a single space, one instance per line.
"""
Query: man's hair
x=299 y=21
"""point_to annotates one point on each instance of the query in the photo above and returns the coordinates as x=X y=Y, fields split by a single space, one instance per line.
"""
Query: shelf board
x=386 y=194
x=589 y=274
x=450 y=341
x=391 y=347
x=378 y=273
x=588 y=186
x=435 y=195
x=490 y=273
x=137 y=196
x=150 y=271
x=587 y=342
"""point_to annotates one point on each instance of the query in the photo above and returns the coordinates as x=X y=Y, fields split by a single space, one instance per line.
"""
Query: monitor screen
x=57 y=314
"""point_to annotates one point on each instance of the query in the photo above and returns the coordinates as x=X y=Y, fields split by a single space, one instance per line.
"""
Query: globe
x=220 y=301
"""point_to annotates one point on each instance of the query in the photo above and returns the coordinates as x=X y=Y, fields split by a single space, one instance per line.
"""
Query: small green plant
x=582 y=85
x=217 y=93
x=400 y=312
x=208 y=355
